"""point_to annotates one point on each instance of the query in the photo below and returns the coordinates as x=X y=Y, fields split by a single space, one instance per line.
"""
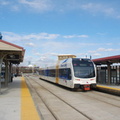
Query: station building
x=108 y=70
x=9 y=54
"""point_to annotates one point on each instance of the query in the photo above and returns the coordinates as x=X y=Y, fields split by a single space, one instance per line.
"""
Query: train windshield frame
x=83 y=68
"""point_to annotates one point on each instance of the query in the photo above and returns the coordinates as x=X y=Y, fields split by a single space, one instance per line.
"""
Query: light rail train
x=75 y=73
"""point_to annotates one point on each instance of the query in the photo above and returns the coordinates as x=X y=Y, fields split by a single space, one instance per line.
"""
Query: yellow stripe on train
x=57 y=72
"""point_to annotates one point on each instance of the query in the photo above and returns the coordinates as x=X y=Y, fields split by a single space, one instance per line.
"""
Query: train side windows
x=51 y=73
x=69 y=74
x=65 y=73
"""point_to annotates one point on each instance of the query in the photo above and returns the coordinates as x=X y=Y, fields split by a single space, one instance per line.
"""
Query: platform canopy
x=11 y=52
x=107 y=60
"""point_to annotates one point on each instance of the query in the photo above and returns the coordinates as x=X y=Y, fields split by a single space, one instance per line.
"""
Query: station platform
x=113 y=89
x=16 y=102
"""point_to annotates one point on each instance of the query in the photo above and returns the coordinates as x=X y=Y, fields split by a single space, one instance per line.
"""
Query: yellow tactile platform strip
x=108 y=87
x=28 y=110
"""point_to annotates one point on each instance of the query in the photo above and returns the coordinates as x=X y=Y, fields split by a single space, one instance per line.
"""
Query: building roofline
x=12 y=44
x=107 y=59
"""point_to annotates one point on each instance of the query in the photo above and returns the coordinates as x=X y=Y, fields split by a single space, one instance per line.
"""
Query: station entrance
x=108 y=70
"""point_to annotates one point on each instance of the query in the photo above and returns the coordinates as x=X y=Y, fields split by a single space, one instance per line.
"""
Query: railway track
x=82 y=115
x=103 y=97
x=73 y=105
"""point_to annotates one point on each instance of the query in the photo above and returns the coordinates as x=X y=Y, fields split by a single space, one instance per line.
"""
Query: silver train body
x=72 y=72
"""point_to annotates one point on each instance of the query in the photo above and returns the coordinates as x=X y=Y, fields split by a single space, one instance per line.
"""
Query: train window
x=46 y=72
x=65 y=73
x=82 y=63
x=84 y=72
x=83 y=68
x=51 y=72
x=41 y=72
x=69 y=74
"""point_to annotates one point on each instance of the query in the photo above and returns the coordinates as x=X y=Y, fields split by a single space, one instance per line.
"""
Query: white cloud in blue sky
x=37 y=5
x=62 y=6
x=47 y=28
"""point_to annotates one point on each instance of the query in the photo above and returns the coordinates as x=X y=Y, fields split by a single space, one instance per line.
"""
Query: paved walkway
x=16 y=102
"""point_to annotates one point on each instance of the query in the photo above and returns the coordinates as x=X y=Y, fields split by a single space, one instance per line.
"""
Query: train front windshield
x=83 y=68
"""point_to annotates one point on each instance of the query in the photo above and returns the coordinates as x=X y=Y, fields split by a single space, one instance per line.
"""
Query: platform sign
x=13 y=57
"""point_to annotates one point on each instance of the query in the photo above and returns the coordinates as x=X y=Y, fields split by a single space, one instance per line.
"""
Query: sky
x=48 y=28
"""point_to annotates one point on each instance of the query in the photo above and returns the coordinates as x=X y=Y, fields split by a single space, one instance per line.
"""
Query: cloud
x=93 y=7
x=10 y=36
x=27 y=5
x=97 y=8
x=75 y=36
x=38 y=5
x=17 y=37
x=41 y=36
x=102 y=51
x=96 y=54
x=4 y=3
x=9 y=5
x=15 y=8
x=102 y=34
x=106 y=50
x=43 y=60
x=44 y=47
x=65 y=47
x=41 y=6
x=83 y=36
x=38 y=54
x=30 y=44
x=55 y=46
x=69 y=36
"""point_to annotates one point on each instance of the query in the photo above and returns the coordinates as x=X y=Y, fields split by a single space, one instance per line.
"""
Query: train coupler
x=86 y=87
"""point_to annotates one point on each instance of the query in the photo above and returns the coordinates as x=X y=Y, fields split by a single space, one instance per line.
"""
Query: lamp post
x=0 y=36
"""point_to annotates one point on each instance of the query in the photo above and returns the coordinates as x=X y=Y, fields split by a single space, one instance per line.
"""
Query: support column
x=11 y=72
x=119 y=75
x=1 y=60
x=6 y=73
x=2 y=55
x=109 y=73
